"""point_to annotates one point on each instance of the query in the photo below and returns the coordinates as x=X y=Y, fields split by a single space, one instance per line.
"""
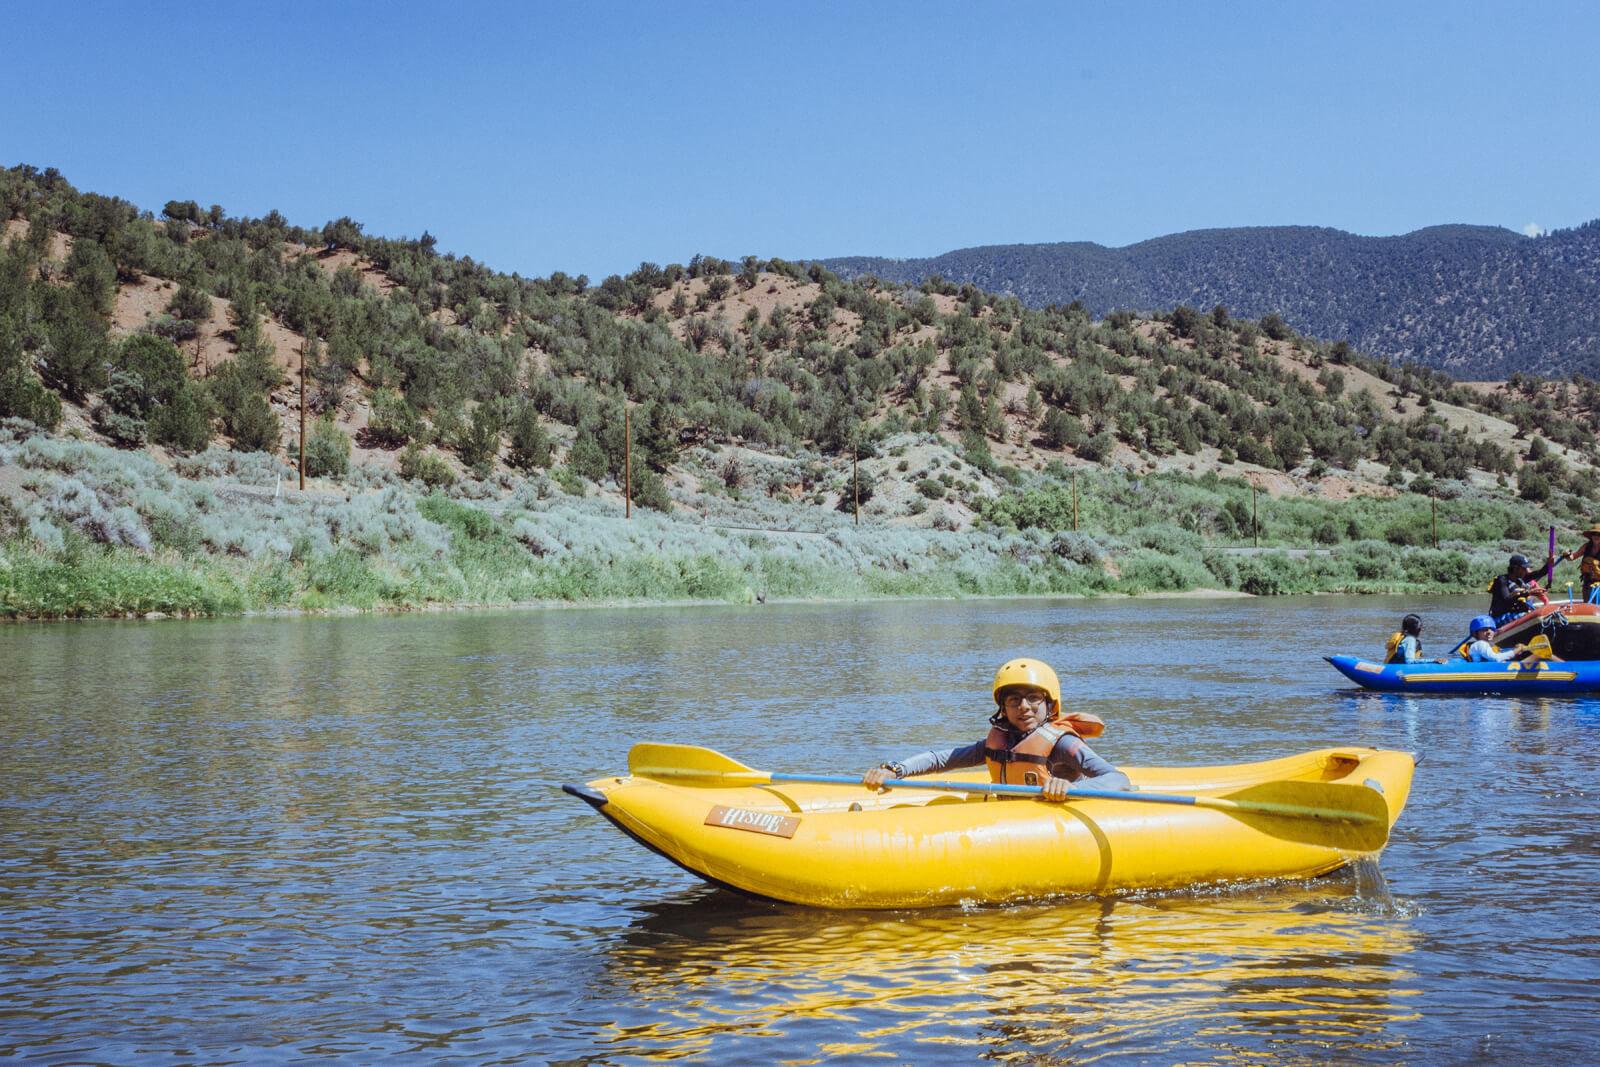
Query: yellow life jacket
x=1027 y=762
x=1393 y=644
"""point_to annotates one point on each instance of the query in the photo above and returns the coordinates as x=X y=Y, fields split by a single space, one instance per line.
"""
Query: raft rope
x=1553 y=621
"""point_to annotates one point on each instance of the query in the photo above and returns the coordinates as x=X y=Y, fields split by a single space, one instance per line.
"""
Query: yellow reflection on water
x=1244 y=974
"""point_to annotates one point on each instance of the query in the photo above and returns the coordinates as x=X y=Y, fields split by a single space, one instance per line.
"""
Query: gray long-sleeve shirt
x=1071 y=758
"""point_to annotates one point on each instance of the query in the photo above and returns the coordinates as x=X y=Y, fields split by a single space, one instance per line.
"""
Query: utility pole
x=1255 y=526
x=855 y=485
x=1074 y=501
x=302 y=414
x=627 y=463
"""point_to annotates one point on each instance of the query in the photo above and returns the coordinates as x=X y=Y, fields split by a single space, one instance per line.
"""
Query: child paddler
x=1405 y=646
x=1482 y=648
x=1030 y=741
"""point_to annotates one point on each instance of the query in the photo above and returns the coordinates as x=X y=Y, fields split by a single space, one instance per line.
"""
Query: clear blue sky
x=589 y=137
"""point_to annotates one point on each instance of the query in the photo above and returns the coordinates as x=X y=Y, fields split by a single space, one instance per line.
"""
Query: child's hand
x=1056 y=790
x=875 y=778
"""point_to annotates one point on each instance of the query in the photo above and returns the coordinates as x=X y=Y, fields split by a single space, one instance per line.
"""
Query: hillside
x=761 y=396
x=1479 y=302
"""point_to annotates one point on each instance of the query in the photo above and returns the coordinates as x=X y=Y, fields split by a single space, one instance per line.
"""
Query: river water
x=287 y=840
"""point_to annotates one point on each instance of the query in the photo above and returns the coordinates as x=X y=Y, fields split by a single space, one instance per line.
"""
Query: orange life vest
x=1027 y=762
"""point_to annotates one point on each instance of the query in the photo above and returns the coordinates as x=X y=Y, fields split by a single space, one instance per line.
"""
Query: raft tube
x=1573 y=628
x=1526 y=677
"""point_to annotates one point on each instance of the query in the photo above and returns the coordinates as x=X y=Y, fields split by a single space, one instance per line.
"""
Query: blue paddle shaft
x=988 y=787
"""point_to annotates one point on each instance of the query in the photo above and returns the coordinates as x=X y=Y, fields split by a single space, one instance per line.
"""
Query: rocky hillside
x=697 y=430
x=193 y=330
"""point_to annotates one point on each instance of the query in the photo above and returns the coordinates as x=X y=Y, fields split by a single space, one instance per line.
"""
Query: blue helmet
x=1480 y=622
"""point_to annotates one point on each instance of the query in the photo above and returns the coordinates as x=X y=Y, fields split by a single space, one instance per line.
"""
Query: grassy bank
x=90 y=531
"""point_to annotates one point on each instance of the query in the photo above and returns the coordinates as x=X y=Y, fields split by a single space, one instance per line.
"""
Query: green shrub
x=21 y=394
x=274 y=586
x=587 y=459
x=530 y=443
x=464 y=519
x=1371 y=560
x=1049 y=509
x=1414 y=530
x=1079 y=548
x=1272 y=574
x=327 y=450
x=1098 y=448
x=190 y=303
x=1533 y=485
x=479 y=442
x=182 y=422
x=343 y=577
x=255 y=426
x=1145 y=570
x=394 y=421
x=1224 y=567
x=650 y=491
x=1170 y=540
x=570 y=482
x=1445 y=568
x=155 y=364
x=426 y=467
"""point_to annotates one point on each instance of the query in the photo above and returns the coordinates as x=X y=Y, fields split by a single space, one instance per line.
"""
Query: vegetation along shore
x=709 y=431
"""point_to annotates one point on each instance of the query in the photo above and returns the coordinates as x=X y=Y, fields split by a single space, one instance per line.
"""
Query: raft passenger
x=1406 y=645
x=1589 y=554
x=1030 y=741
x=1483 y=650
x=1510 y=592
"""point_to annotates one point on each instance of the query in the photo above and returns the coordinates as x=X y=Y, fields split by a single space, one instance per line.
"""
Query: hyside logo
x=756 y=822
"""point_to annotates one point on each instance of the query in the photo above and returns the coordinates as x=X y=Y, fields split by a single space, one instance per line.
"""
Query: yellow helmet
x=1029 y=672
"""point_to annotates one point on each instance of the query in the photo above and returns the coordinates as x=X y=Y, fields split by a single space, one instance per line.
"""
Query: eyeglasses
x=1013 y=701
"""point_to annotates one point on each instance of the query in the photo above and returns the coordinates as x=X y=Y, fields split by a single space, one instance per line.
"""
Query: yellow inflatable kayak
x=958 y=839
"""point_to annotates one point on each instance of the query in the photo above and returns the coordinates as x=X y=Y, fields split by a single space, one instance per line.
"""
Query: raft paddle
x=1358 y=817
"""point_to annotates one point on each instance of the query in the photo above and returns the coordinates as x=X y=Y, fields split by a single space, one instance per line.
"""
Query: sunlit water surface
x=344 y=840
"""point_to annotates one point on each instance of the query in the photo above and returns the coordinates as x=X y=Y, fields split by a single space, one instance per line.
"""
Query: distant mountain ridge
x=1480 y=302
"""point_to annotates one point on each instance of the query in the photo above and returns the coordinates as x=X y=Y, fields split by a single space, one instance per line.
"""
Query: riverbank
x=459 y=556
x=92 y=532
x=438 y=607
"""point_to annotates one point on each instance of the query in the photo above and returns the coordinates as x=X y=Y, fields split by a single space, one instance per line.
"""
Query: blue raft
x=1529 y=677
